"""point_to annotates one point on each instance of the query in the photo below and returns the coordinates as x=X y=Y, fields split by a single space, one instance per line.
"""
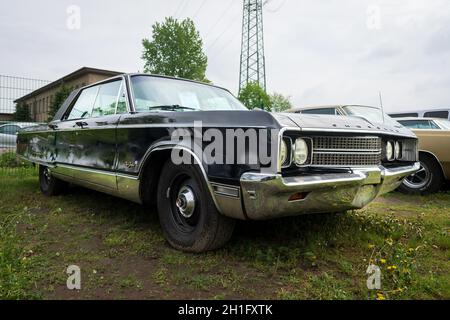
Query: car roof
x=149 y=75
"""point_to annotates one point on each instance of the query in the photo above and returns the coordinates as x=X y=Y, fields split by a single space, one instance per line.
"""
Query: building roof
x=76 y=74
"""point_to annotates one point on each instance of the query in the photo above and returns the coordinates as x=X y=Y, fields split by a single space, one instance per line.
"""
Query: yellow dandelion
x=380 y=296
x=371 y=246
x=392 y=268
x=383 y=261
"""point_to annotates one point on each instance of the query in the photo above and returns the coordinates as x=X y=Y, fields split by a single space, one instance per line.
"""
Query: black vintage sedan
x=205 y=160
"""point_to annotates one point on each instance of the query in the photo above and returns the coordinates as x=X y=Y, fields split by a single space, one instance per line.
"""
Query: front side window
x=122 y=102
x=156 y=94
x=107 y=99
x=83 y=106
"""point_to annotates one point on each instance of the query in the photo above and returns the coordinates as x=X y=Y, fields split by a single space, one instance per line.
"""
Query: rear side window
x=419 y=124
x=436 y=114
x=328 y=111
x=107 y=99
x=84 y=104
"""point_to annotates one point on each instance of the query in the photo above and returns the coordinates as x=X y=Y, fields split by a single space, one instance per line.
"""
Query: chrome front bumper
x=268 y=196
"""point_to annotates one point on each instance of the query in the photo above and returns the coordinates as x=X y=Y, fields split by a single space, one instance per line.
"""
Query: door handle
x=81 y=124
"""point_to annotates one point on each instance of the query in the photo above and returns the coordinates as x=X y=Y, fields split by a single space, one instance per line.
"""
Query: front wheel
x=188 y=216
x=50 y=186
x=427 y=180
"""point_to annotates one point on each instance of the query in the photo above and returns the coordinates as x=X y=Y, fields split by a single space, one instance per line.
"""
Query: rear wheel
x=428 y=179
x=50 y=186
x=188 y=216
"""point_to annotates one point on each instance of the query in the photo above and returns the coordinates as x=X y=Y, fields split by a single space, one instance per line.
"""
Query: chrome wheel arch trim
x=220 y=201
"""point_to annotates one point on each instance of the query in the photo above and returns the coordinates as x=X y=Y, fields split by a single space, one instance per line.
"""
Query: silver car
x=8 y=133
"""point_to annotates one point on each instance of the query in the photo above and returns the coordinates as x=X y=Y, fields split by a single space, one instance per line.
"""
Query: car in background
x=434 y=155
x=436 y=113
x=9 y=131
x=372 y=114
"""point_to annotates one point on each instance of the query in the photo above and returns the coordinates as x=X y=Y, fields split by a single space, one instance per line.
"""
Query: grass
x=122 y=254
x=10 y=164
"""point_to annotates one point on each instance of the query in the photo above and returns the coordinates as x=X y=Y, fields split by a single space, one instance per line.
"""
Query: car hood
x=341 y=124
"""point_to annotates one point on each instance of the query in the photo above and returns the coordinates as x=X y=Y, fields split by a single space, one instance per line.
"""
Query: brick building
x=39 y=101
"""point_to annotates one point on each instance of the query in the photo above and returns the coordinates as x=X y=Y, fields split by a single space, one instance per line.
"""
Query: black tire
x=429 y=179
x=191 y=228
x=50 y=186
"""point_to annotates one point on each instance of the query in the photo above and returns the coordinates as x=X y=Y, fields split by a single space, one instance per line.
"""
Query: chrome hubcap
x=419 y=179
x=47 y=175
x=185 y=202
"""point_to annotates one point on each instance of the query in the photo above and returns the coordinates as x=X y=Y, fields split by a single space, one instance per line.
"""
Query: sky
x=317 y=51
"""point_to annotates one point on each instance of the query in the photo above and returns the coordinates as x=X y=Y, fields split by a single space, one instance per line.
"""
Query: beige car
x=434 y=154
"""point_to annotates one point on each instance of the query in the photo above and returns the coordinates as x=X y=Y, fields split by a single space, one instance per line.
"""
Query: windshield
x=370 y=113
x=444 y=124
x=165 y=94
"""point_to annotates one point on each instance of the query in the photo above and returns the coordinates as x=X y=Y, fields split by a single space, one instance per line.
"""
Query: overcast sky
x=317 y=51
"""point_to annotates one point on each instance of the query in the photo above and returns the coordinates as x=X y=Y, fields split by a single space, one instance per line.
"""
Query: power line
x=182 y=3
x=221 y=17
x=283 y=2
x=198 y=10
x=226 y=30
x=222 y=48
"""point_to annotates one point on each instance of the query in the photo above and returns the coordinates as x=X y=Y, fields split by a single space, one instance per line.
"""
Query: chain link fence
x=12 y=88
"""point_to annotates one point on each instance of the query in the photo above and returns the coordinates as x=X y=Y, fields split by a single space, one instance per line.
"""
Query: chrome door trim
x=121 y=185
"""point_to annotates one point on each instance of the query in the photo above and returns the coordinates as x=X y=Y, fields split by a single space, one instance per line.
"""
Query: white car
x=8 y=133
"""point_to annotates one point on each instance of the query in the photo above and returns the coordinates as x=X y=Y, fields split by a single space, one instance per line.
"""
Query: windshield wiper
x=172 y=107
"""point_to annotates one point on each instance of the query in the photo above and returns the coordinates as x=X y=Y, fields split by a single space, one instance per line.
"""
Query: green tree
x=176 y=49
x=253 y=96
x=22 y=113
x=280 y=103
x=60 y=96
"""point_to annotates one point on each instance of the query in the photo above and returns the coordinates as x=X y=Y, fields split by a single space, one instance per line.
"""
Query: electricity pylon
x=252 y=50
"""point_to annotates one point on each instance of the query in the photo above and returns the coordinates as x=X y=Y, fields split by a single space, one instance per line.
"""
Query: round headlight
x=300 y=152
x=398 y=150
x=389 y=151
x=283 y=152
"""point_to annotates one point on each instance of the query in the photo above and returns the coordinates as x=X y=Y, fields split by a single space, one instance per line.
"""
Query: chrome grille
x=347 y=143
x=346 y=151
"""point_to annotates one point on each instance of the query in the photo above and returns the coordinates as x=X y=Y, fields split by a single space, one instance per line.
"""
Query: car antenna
x=381 y=105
